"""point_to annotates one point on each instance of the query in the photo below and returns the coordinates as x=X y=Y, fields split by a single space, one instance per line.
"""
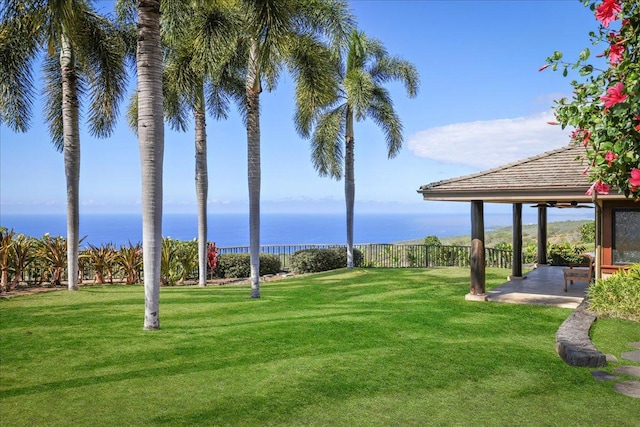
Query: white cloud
x=487 y=144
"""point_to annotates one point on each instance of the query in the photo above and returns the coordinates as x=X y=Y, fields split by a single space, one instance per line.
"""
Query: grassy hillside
x=557 y=232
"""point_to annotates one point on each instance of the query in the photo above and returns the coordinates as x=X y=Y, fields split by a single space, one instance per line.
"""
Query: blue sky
x=481 y=103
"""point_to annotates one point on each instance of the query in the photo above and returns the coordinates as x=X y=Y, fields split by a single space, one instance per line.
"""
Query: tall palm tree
x=151 y=144
x=84 y=54
x=361 y=76
x=284 y=34
x=199 y=76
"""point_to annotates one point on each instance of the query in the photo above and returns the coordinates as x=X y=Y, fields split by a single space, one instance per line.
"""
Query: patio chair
x=579 y=272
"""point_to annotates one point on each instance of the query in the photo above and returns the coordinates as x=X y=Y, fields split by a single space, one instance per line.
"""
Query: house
x=550 y=180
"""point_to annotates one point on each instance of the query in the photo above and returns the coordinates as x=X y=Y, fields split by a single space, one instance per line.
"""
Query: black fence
x=394 y=256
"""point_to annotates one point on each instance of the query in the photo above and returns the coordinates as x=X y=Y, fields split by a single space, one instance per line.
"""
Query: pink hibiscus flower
x=634 y=181
x=610 y=157
x=615 y=53
x=607 y=11
x=598 y=187
x=614 y=96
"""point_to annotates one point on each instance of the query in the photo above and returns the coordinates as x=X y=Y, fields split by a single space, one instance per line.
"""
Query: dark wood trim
x=607 y=230
x=542 y=235
x=477 y=248
x=516 y=265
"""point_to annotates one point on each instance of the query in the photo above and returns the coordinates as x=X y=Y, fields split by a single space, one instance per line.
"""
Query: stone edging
x=573 y=344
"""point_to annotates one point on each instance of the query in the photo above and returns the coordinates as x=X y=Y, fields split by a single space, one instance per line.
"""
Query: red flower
x=615 y=53
x=585 y=135
x=614 y=96
x=610 y=157
x=638 y=125
x=635 y=177
x=607 y=11
x=599 y=187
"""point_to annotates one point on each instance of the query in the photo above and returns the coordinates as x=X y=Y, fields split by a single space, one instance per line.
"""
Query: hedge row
x=238 y=265
x=316 y=260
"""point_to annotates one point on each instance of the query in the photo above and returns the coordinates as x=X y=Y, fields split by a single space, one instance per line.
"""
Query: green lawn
x=347 y=348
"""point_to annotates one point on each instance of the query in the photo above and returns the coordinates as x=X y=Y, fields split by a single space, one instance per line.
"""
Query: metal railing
x=392 y=255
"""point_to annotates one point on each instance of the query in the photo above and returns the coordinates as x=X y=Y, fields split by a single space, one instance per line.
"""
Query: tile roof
x=553 y=175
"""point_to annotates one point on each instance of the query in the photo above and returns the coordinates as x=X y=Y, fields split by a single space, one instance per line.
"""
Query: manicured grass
x=357 y=348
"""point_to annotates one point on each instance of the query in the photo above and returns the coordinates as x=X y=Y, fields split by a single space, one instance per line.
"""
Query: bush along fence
x=31 y=261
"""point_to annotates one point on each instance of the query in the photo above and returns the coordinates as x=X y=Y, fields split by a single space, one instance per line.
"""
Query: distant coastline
x=232 y=229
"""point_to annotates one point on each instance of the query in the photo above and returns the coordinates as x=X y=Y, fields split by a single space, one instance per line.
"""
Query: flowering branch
x=605 y=107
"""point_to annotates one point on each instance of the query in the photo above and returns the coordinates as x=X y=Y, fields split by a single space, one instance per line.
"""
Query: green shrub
x=588 y=232
x=238 y=265
x=530 y=253
x=316 y=260
x=432 y=241
x=617 y=295
x=565 y=253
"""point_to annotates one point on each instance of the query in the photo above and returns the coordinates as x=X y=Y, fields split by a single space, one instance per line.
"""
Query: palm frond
x=326 y=146
x=359 y=87
x=100 y=51
x=132 y=113
x=317 y=83
x=384 y=115
x=396 y=69
x=20 y=37
x=53 y=94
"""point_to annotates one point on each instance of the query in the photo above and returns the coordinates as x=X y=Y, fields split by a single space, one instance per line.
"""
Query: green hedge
x=316 y=260
x=238 y=265
x=565 y=253
x=617 y=295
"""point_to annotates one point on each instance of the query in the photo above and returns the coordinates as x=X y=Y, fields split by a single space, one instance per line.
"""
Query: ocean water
x=233 y=229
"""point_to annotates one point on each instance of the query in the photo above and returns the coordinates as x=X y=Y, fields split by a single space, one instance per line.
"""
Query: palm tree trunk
x=349 y=184
x=202 y=185
x=151 y=142
x=253 y=89
x=71 y=151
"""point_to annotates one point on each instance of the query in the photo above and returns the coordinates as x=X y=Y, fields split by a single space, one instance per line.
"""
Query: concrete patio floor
x=543 y=286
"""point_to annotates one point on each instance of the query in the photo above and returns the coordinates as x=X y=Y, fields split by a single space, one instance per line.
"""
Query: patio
x=542 y=286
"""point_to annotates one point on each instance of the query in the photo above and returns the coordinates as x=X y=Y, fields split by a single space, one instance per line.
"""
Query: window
x=626 y=236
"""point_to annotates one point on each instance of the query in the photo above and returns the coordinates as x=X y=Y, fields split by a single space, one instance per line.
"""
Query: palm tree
x=83 y=54
x=151 y=143
x=284 y=34
x=367 y=67
x=200 y=76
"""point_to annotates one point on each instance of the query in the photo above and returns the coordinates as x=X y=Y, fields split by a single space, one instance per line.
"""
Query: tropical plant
x=169 y=273
x=129 y=259
x=199 y=76
x=23 y=254
x=281 y=34
x=6 y=244
x=52 y=252
x=617 y=295
x=606 y=99
x=187 y=260
x=84 y=54
x=588 y=232
x=150 y=131
x=102 y=259
x=364 y=68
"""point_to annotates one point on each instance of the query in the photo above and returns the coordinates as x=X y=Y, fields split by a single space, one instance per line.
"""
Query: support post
x=516 y=266
x=598 y=248
x=542 y=235
x=477 y=291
